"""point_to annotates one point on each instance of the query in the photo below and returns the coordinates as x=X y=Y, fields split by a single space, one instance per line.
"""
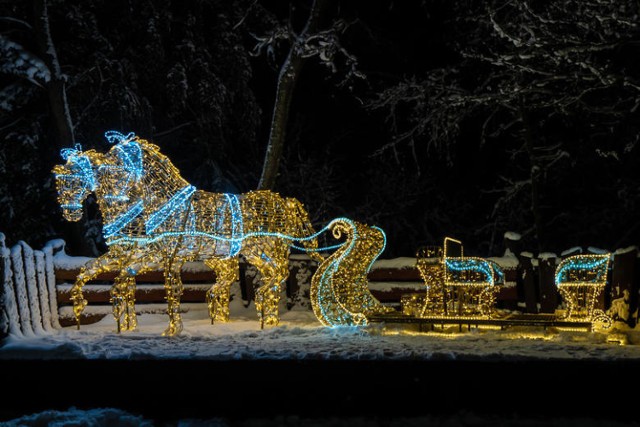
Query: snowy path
x=332 y=376
x=300 y=337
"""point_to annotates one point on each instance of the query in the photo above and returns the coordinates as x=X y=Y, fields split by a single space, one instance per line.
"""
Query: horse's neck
x=118 y=198
x=161 y=180
x=113 y=204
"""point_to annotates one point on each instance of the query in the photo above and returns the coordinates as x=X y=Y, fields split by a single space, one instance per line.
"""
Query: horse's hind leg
x=218 y=296
x=273 y=263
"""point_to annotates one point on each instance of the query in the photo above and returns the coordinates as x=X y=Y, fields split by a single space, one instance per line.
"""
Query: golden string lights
x=580 y=280
x=339 y=288
x=456 y=286
x=152 y=216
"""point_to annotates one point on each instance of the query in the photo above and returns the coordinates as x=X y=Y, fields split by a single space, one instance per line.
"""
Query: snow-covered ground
x=116 y=417
x=300 y=336
x=361 y=369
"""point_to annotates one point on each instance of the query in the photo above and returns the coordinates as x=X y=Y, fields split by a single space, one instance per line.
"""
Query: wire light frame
x=456 y=286
x=429 y=261
x=580 y=280
x=153 y=216
x=339 y=288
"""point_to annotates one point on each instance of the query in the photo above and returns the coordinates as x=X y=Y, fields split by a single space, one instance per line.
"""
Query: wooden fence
x=36 y=285
x=28 y=290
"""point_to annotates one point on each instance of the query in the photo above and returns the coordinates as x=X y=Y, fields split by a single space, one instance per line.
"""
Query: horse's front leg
x=123 y=300
x=104 y=263
x=218 y=296
x=118 y=299
x=173 y=288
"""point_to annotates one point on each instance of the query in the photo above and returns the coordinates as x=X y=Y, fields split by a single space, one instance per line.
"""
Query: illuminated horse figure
x=151 y=214
x=84 y=173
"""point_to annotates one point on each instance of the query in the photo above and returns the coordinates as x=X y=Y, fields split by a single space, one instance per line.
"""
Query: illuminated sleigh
x=457 y=286
x=580 y=280
x=152 y=216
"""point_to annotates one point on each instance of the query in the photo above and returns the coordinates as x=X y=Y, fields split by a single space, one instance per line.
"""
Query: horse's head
x=75 y=180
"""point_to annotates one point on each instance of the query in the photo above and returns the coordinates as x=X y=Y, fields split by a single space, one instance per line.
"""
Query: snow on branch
x=269 y=42
x=16 y=60
x=324 y=45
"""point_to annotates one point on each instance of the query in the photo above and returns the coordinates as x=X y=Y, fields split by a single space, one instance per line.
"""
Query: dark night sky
x=331 y=162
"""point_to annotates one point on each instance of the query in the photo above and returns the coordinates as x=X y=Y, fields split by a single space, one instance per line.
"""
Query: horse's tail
x=304 y=229
x=339 y=289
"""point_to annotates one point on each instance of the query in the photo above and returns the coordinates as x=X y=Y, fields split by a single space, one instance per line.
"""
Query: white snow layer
x=300 y=336
x=112 y=416
x=511 y=235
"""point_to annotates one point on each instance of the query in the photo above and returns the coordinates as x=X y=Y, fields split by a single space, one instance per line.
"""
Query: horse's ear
x=115 y=137
x=66 y=153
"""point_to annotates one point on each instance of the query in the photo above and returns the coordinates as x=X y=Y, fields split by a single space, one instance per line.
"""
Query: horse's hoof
x=220 y=318
x=172 y=330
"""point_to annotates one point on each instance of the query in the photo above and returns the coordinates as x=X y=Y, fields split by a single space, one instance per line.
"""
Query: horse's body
x=152 y=215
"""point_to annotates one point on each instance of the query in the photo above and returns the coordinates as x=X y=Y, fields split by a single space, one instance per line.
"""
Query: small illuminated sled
x=457 y=286
x=580 y=280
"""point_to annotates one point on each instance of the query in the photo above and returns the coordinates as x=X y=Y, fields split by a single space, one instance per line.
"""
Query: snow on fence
x=28 y=290
x=36 y=285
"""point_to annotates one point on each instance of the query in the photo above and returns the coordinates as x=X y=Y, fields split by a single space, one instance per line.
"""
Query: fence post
x=301 y=268
x=50 y=249
x=29 y=266
x=9 y=300
x=20 y=288
x=528 y=282
x=547 y=283
x=624 y=292
x=43 y=291
x=4 y=277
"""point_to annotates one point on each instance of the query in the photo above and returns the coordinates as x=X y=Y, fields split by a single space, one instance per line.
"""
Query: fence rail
x=36 y=285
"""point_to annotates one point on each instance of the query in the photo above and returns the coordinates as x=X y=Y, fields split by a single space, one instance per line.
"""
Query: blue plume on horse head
x=67 y=153
x=128 y=150
x=115 y=137
x=81 y=164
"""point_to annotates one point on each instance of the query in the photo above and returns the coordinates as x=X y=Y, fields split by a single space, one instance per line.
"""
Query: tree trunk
x=286 y=84
x=534 y=175
x=56 y=86
x=74 y=233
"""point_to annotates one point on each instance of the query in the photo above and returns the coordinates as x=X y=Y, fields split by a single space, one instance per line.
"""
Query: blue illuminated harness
x=175 y=203
x=109 y=230
x=237 y=226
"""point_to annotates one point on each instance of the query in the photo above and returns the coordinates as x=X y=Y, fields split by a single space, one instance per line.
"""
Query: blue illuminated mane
x=127 y=149
x=79 y=165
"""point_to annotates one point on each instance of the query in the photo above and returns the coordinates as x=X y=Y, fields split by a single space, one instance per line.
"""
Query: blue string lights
x=177 y=203
x=151 y=213
x=580 y=280
x=339 y=289
x=112 y=228
x=582 y=268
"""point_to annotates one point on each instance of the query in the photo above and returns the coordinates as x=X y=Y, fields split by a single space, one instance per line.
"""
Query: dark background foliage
x=439 y=139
